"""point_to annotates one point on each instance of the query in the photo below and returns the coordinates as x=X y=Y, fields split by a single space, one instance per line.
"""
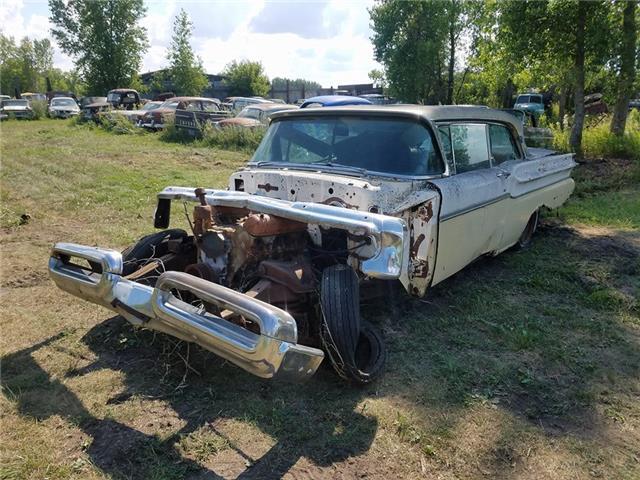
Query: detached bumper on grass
x=273 y=352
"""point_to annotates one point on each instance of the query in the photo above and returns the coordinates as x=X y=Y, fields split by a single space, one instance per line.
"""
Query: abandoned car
x=155 y=119
x=334 y=202
x=63 y=107
x=256 y=115
x=16 y=108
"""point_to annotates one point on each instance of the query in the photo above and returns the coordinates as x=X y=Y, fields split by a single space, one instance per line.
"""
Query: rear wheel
x=525 y=239
x=355 y=348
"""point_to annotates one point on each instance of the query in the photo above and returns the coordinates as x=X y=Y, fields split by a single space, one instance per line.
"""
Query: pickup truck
x=334 y=201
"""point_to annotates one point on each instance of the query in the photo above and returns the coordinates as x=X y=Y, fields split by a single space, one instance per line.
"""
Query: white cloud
x=332 y=47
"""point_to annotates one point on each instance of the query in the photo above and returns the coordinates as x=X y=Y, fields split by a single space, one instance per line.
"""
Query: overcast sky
x=322 y=40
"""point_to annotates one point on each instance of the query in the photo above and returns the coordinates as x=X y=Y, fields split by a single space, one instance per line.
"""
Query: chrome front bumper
x=272 y=353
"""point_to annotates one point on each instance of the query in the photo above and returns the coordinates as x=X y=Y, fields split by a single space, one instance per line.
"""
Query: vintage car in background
x=16 y=108
x=124 y=98
x=60 y=93
x=378 y=98
x=156 y=118
x=334 y=101
x=534 y=134
x=256 y=115
x=334 y=202
x=93 y=107
x=594 y=104
x=136 y=115
x=530 y=102
x=63 y=107
x=634 y=103
x=84 y=101
x=34 y=96
x=235 y=104
x=191 y=119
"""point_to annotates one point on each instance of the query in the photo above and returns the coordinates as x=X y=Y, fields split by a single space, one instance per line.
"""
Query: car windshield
x=113 y=97
x=250 y=113
x=170 y=104
x=15 y=103
x=384 y=145
x=151 y=106
x=63 y=102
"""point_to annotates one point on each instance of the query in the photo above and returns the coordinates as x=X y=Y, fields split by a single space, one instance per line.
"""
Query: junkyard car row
x=334 y=203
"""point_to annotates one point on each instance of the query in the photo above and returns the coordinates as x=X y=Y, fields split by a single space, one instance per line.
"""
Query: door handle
x=503 y=175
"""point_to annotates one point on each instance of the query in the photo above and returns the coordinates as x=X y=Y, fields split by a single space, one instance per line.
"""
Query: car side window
x=503 y=147
x=470 y=149
x=445 y=140
x=209 y=106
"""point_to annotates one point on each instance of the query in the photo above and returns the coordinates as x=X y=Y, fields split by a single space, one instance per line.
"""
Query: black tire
x=527 y=235
x=153 y=245
x=354 y=348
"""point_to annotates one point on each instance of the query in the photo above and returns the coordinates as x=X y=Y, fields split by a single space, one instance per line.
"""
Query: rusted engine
x=262 y=255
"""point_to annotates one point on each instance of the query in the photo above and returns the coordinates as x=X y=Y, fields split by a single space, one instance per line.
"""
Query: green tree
x=627 y=68
x=378 y=78
x=185 y=69
x=24 y=66
x=246 y=78
x=417 y=42
x=104 y=38
x=546 y=44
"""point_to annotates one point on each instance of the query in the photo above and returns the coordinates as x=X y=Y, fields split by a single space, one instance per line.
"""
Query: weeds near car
x=118 y=124
x=227 y=138
x=39 y=109
x=599 y=142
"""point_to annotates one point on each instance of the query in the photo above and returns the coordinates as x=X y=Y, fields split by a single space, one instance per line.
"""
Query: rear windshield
x=529 y=99
x=384 y=145
x=14 y=103
x=64 y=102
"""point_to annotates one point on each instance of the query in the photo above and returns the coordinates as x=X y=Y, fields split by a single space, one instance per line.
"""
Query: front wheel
x=355 y=348
x=149 y=247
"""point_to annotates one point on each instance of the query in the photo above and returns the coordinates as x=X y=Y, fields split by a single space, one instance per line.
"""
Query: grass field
x=522 y=366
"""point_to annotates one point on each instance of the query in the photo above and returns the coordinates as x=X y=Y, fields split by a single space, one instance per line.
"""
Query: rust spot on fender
x=425 y=212
x=416 y=245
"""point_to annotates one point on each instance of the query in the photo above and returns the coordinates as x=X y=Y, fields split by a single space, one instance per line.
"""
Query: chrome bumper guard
x=273 y=353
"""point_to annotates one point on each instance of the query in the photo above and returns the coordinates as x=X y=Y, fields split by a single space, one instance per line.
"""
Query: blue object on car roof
x=334 y=101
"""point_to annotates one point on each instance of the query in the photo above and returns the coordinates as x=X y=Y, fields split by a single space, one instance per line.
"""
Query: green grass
x=526 y=365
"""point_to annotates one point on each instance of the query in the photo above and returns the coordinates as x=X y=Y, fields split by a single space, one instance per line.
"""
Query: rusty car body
x=256 y=115
x=166 y=113
x=334 y=201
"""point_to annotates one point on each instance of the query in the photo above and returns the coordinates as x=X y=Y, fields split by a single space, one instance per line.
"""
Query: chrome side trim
x=499 y=199
x=472 y=208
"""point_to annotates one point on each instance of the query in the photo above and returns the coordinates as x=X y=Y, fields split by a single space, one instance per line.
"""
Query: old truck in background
x=335 y=201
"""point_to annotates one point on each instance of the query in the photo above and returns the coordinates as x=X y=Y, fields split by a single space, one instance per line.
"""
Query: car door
x=472 y=198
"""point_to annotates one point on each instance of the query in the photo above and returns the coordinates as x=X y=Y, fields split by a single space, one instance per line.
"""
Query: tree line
x=106 y=41
x=562 y=47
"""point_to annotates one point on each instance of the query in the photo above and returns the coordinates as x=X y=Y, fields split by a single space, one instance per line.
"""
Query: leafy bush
x=172 y=134
x=39 y=108
x=598 y=142
x=118 y=123
x=228 y=138
x=232 y=138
